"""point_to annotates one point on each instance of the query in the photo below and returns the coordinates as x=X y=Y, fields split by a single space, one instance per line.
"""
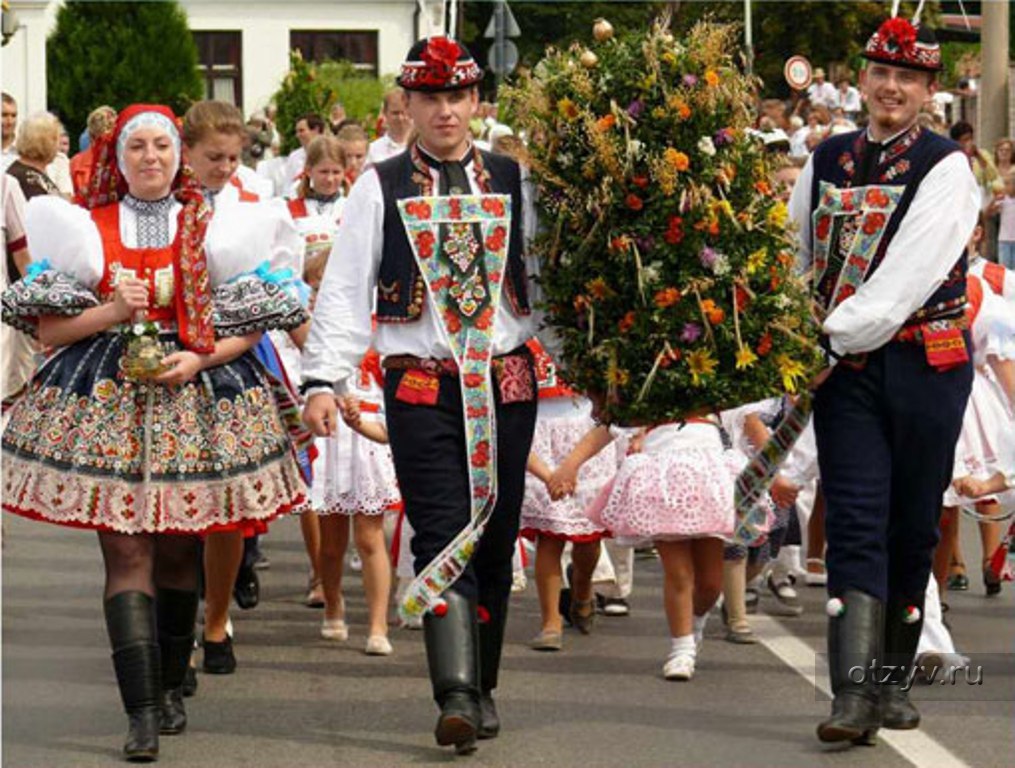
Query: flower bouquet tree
x=667 y=271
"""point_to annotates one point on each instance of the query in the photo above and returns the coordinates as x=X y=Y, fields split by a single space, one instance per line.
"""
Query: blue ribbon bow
x=36 y=268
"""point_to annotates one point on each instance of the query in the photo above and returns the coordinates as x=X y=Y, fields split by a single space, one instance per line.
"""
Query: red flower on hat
x=899 y=31
x=440 y=56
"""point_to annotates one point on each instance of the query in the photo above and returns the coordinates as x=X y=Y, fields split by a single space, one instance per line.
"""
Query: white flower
x=652 y=273
x=721 y=266
x=139 y=329
x=634 y=148
x=564 y=160
x=782 y=301
x=706 y=147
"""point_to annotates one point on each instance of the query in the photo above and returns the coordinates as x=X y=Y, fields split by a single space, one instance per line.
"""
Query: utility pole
x=993 y=95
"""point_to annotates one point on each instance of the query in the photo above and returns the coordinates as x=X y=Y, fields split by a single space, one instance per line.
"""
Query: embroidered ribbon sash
x=460 y=244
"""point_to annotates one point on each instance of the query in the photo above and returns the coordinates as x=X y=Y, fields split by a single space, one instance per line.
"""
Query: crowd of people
x=182 y=289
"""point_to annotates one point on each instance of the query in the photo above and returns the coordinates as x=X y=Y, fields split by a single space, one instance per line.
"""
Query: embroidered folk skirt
x=85 y=447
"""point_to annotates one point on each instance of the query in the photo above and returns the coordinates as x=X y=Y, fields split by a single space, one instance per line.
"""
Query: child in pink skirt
x=563 y=420
x=676 y=490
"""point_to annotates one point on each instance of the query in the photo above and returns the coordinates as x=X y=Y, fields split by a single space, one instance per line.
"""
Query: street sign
x=511 y=28
x=503 y=57
x=797 y=72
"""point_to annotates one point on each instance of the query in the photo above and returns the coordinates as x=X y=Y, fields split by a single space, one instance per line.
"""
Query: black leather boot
x=177 y=610
x=130 y=621
x=901 y=639
x=854 y=656
x=452 y=654
x=491 y=642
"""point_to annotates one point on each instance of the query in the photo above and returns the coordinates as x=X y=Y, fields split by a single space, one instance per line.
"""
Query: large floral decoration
x=667 y=269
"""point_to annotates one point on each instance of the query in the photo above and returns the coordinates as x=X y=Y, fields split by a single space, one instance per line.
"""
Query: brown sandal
x=583 y=615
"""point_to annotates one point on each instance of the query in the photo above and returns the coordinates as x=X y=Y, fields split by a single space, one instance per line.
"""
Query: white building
x=243 y=45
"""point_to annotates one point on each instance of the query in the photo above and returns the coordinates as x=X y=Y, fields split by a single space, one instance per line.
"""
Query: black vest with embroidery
x=856 y=234
x=401 y=290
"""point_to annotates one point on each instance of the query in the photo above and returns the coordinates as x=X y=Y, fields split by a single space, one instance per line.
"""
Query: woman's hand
x=183 y=366
x=131 y=295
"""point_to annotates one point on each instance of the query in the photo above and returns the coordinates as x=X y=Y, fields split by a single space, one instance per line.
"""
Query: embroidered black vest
x=850 y=234
x=400 y=288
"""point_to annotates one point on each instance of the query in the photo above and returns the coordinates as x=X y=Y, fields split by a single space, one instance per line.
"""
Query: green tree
x=309 y=87
x=118 y=54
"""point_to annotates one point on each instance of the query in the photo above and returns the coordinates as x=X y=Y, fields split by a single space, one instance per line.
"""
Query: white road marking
x=915 y=746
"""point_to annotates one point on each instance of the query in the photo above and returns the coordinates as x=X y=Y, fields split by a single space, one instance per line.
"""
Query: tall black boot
x=854 y=655
x=130 y=621
x=451 y=650
x=903 y=624
x=177 y=611
x=491 y=642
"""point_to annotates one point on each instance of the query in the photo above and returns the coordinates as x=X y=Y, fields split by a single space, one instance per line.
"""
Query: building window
x=220 y=57
x=359 y=47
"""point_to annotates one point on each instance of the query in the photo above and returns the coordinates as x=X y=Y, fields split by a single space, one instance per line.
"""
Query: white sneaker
x=378 y=645
x=679 y=667
x=335 y=629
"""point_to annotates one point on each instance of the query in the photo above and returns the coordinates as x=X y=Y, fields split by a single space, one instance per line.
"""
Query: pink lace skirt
x=680 y=486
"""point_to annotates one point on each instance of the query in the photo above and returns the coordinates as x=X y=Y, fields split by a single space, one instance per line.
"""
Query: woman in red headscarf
x=151 y=420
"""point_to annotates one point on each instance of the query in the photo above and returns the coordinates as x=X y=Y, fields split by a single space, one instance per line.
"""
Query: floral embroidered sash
x=849 y=225
x=460 y=244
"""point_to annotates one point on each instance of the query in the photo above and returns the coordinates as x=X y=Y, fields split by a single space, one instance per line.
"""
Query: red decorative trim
x=585 y=538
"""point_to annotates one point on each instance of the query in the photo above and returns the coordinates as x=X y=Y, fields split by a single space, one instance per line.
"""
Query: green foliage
x=119 y=53
x=823 y=31
x=665 y=262
x=310 y=87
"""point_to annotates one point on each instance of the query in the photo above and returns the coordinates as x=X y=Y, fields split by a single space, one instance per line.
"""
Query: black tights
x=146 y=562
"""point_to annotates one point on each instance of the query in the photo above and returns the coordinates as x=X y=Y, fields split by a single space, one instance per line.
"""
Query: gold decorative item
x=602 y=30
x=588 y=59
x=142 y=360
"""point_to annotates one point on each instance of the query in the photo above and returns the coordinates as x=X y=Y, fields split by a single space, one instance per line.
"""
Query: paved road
x=297 y=701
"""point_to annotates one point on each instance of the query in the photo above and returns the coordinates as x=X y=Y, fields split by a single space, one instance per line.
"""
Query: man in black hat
x=884 y=216
x=373 y=264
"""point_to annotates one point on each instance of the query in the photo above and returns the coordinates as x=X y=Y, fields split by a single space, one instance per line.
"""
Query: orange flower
x=634 y=202
x=712 y=78
x=765 y=344
x=640 y=181
x=743 y=298
x=667 y=297
x=713 y=227
x=714 y=314
x=626 y=322
x=598 y=288
x=605 y=123
x=677 y=159
x=620 y=243
x=762 y=187
x=581 y=303
x=684 y=112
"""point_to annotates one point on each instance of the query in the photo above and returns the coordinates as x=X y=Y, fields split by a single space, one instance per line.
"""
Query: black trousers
x=886 y=439
x=428 y=447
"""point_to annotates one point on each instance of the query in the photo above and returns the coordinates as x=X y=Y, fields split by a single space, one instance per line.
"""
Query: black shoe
x=458 y=724
x=564 y=601
x=173 y=715
x=612 y=606
x=855 y=640
x=218 y=657
x=247 y=590
x=991 y=582
x=489 y=726
x=189 y=686
x=142 y=745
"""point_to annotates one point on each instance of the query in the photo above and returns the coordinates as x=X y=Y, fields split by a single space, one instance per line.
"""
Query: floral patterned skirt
x=85 y=447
